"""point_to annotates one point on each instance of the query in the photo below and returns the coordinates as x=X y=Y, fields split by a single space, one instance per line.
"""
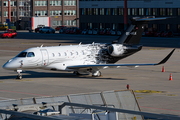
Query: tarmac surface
x=154 y=91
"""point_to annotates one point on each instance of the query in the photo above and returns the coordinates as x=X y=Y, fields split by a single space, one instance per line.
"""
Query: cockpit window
x=30 y=54
x=23 y=54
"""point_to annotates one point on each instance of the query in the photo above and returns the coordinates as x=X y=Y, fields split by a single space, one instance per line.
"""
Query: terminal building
x=90 y=14
x=62 y=12
x=110 y=13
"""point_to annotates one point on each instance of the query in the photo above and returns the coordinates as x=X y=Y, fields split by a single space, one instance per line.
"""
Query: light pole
x=125 y=14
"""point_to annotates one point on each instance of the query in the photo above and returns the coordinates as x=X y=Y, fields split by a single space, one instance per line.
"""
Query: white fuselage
x=57 y=57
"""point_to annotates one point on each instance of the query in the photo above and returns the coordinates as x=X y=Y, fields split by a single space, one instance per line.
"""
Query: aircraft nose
x=8 y=65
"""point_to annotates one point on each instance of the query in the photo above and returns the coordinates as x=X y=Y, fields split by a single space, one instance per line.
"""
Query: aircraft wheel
x=19 y=77
x=96 y=74
x=76 y=73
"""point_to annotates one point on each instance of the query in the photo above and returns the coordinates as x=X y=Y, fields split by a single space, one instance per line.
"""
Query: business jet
x=85 y=58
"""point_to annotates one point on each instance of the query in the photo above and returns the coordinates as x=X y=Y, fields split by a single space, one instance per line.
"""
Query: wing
x=103 y=66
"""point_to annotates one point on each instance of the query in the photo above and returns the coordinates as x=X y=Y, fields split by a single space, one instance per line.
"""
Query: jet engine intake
x=115 y=50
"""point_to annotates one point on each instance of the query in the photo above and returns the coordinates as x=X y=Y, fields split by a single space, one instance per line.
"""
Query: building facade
x=110 y=13
x=62 y=12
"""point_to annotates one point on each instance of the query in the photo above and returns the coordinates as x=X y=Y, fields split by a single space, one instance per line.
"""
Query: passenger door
x=45 y=57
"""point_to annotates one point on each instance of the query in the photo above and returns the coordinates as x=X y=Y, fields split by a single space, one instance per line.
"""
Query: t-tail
x=133 y=34
x=128 y=43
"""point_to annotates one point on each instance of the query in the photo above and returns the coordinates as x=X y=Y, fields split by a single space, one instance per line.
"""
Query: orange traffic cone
x=170 y=77
x=163 y=70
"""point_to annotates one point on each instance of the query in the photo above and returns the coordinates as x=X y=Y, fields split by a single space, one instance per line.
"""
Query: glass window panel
x=35 y=3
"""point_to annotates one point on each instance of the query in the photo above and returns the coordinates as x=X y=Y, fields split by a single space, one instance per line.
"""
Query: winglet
x=166 y=58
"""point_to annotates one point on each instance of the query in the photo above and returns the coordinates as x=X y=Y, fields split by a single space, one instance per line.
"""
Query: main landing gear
x=96 y=74
x=19 y=76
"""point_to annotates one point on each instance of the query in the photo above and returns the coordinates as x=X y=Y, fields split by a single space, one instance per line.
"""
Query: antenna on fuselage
x=80 y=43
x=41 y=45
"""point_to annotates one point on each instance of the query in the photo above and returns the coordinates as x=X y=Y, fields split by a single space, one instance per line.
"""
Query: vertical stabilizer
x=133 y=34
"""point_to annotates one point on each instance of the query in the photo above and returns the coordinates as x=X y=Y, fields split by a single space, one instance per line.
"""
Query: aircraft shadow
x=34 y=74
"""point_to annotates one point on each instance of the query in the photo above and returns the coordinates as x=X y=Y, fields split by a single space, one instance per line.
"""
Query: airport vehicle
x=159 y=34
x=168 y=34
x=10 y=33
x=38 y=27
x=59 y=27
x=35 y=21
x=85 y=31
x=46 y=30
x=85 y=58
x=3 y=27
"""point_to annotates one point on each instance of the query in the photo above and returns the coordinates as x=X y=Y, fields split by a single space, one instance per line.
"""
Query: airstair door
x=45 y=57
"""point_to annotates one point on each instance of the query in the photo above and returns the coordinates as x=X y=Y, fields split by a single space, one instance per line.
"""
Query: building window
x=83 y=11
x=21 y=3
x=57 y=23
x=21 y=13
x=70 y=3
x=54 y=3
x=148 y=11
x=154 y=11
x=162 y=12
x=101 y=11
x=114 y=11
x=5 y=13
x=134 y=11
x=70 y=22
x=70 y=12
x=96 y=11
x=169 y=11
x=55 y=13
x=13 y=13
x=13 y=3
x=40 y=3
x=5 y=3
x=108 y=11
x=178 y=28
x=40 y=13
x=120 y=11
x=178 y=11
x=89 y=11
x=168 y=27
x=141 y=11
x=129 y=11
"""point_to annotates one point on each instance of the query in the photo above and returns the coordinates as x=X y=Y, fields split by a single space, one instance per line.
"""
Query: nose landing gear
x=19 y=76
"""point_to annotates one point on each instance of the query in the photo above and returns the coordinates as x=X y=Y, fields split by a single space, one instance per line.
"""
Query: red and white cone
x=163 y=70
x=170 y=77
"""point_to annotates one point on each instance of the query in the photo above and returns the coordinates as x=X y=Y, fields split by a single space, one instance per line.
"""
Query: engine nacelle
x=115 y=50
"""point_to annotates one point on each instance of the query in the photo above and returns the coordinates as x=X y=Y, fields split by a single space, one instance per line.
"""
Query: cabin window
x=22 y=54
x=59 y=54
x=53 y=54
x=30 y=54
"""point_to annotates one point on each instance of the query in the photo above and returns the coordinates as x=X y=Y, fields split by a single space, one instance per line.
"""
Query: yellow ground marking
x=1 y=82
x=23 y=80
x=27 y=43
x=149 y=91
x=146 y=92
x=157 y=49
x=139 y=97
